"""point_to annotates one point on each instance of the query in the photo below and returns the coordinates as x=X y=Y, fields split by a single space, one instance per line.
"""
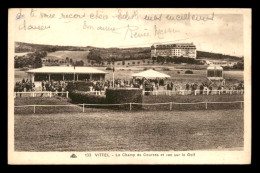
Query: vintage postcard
x=129 y=86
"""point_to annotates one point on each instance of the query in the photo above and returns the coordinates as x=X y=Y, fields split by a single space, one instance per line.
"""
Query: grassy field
x=75 y=55
x=125 y=131
x=193 y=99
x=44 y=101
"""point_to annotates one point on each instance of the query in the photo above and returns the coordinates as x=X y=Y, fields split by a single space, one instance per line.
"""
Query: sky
x=221 y=32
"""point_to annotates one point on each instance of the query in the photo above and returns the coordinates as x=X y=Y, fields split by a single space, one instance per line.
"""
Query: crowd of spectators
x=175 y=86
x=24 y=86
x=28 y=86
x=145 y=84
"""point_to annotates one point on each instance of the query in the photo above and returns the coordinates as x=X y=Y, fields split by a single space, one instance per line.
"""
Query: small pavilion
x=151 y=74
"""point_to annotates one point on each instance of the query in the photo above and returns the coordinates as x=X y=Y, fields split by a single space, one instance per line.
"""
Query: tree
x=71 y=61
x=98 y=60
x=37 y=62
x=67 y=60
x=239 y=65
x=160 y=59
x=81 y=63
x=168 y=59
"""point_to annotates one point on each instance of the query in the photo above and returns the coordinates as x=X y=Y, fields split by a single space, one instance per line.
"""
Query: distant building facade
x=220 y=63
x=174 y=50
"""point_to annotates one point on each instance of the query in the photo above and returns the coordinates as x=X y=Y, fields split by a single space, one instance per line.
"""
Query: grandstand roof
x=57 y=69
x=214 y=67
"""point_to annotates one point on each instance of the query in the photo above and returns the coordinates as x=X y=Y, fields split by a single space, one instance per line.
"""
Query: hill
x=210 y=55
x=113 y=54
x=21 y=47
x=75 y=55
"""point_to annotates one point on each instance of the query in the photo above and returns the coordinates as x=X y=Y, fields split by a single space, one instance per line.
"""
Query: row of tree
x=176 y=60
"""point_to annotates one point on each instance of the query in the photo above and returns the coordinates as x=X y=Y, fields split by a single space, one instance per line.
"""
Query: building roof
x=214 y=67
x=174 y=45
x=68 y=70
x=151 y=74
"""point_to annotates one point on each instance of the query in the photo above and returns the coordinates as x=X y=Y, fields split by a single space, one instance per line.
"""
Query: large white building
x=174 y=50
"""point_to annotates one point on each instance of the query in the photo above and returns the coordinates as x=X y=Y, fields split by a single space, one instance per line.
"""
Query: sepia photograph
x=129 y=86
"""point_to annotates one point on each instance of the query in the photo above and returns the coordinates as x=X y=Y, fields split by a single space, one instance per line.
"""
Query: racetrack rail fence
x=142 y=106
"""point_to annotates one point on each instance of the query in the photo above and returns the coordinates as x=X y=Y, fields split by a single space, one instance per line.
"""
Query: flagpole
x=113 y=78
x=74 y=74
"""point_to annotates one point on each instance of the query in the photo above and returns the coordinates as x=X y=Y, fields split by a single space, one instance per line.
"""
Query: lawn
x=70 y=108
x=75 y=55
x=193 y=99
x=130 y=131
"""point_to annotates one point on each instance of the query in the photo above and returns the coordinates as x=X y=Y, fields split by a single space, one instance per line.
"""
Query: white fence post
x=130 y=105
x=206 y=105
x=195 y=92
x=34 y=109
x=67 y=94
x=50 y=94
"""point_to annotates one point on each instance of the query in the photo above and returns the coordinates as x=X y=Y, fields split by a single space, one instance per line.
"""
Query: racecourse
x=110 y=130
x=154 y=128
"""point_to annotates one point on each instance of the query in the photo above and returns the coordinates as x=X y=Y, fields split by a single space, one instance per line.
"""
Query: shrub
x=79 y=85
x=124 y=95
x=166 y=69
x=80 y=97
x=188 y=72
x=109 y=68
